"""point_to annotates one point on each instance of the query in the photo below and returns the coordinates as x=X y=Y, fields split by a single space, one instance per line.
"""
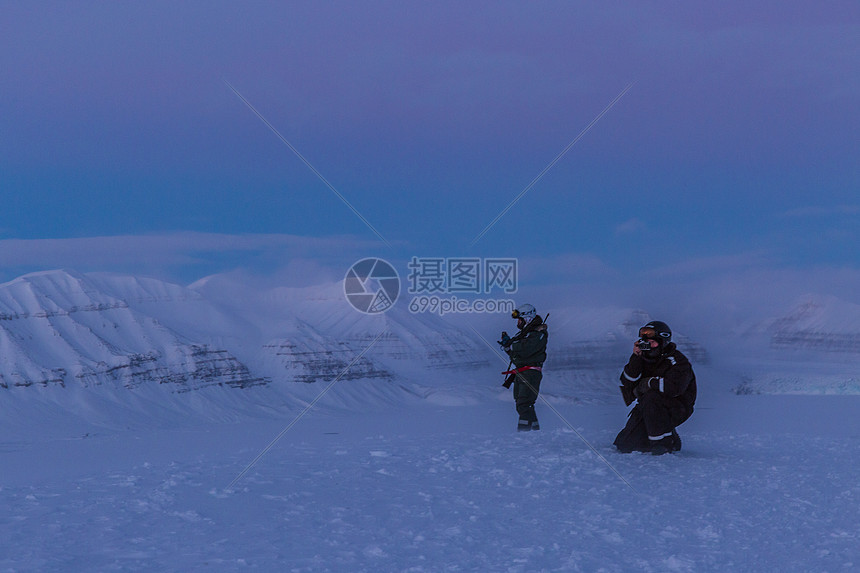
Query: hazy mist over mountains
x=107 y=337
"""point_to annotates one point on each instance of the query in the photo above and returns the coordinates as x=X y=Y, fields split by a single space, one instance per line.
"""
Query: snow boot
x=535 y=426
x=524 y=425
x=676 y=441
x=663 y=446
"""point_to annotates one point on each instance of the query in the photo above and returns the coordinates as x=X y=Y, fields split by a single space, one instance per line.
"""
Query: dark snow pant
x=526 y=394
x=655 y=415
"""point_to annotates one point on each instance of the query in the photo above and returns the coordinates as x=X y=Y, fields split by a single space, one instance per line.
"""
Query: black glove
x=505 y=341
x=636 y=365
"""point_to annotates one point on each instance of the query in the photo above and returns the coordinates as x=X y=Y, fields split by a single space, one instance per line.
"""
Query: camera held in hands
x=644 y=345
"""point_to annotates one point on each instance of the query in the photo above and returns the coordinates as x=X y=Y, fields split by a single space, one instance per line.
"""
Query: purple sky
x=738 y=140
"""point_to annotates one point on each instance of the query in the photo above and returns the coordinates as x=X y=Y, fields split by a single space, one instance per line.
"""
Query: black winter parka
x=530 y=350
x=671 y=374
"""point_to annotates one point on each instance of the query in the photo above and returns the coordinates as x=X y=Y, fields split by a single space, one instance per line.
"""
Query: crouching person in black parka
x=663 y=382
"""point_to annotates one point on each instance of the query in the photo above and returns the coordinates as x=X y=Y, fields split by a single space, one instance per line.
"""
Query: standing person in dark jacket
x=663 y=382
x=527 y=350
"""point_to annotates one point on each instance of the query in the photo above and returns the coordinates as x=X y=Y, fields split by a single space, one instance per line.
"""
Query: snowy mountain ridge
x=65 y=329
x=819 y=323
x=812 y=348
x=60 y=328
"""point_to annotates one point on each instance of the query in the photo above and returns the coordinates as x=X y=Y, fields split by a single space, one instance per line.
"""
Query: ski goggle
x=648 y=333
x=516 y=313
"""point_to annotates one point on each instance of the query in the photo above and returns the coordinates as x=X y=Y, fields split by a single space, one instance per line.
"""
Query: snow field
x=429 y=488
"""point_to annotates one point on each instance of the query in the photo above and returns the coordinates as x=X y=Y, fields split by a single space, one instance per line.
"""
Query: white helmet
x=524 y=311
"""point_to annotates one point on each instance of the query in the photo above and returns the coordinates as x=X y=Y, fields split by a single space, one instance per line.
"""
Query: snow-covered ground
x=136 y=418
x=764 y=483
